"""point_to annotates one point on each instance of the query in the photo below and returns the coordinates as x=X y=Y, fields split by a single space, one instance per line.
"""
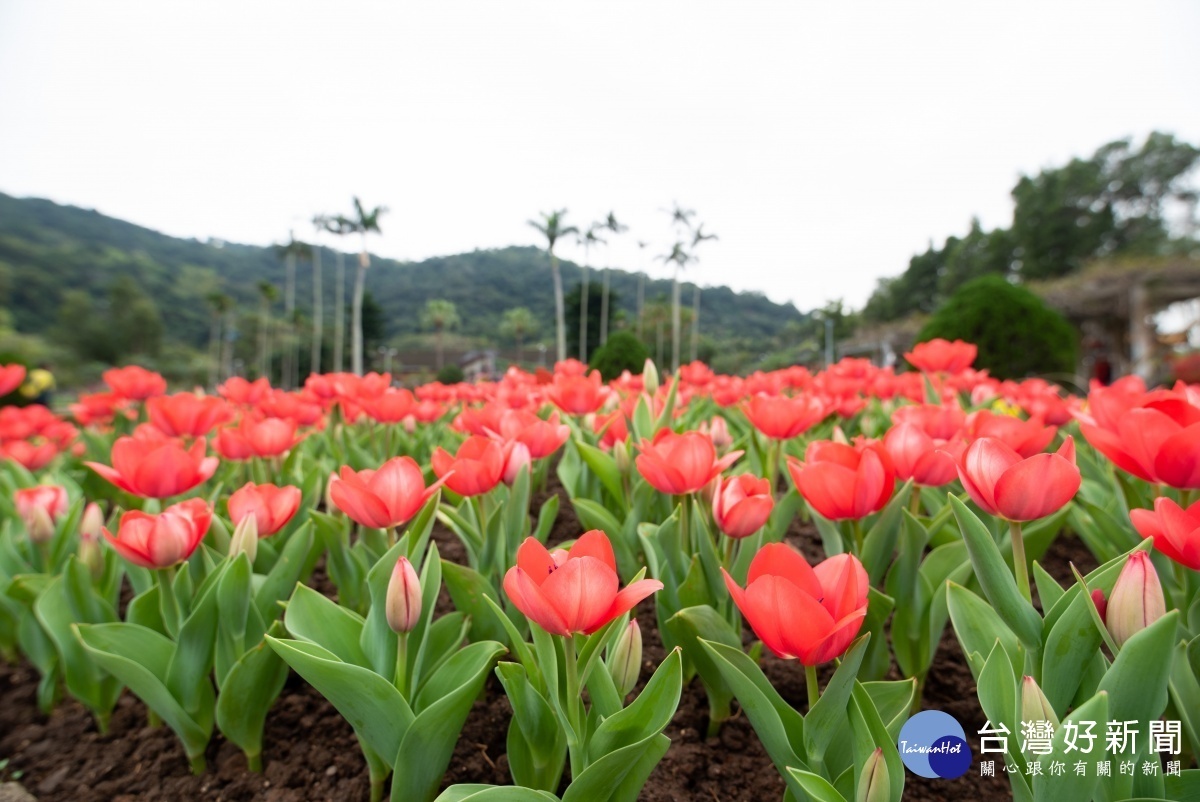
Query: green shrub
x=450 y=374
x=623 y=351
x=1017 y=334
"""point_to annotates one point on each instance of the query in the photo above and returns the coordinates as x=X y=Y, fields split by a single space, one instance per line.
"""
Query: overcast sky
x=824 y=145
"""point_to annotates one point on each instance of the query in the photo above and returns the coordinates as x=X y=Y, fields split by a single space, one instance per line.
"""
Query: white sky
x=825 y=145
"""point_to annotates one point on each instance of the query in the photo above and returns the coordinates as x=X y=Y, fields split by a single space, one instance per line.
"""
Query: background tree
x=588 y=240
x=364 y=222
x=678 y=258
x=698 y=238
x=518 y=324
x=439 y=315
x=590 y=326
x=623 y=351
x=319 y=222
x=339 y=226
x=552 y=228
x=220 y=304
x=291 y=252
x=374 y=322
x=615 y=229
x=268 y=294
x=641 y=290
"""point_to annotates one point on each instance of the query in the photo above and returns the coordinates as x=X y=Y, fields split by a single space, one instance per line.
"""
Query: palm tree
x=318 y=335
x=220 y=303
x=518 y=323
x=439 y=315
x=587 y=240
x=641 y=298
x=611 y=224
x=552 y=228
x=698 y=237
x=680 y=258
x=364 y=223
x=269 y=294
x=339 y=226
x=293 y=250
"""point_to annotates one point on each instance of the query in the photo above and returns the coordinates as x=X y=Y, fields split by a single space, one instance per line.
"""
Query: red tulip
x=237 y=390
x=572 y=591
x=135 y=383
x=1154 y=436
x=742 y=504
x=31 y=456
x=577 y=395
x=152 y=465
x=614 y=427
x=390 y=406
x=271 y=506
x=799 y=612
x=475 y=469
x=186 y=414
x=39 y=508
x=11 y=377
x=717 y=430
x=163 y=540
x=97 y=408
x=919 y=457
x=479 y=420
x=1003 y=484
x=301 y=408
x=681 y=463
x=843 y=482
x=783 y=417
x=403 y=601
x=541 y=437
x=939 y=421
x=942 y=356
x=271 y=437
x=1176 y=531
x=518 y=459
x=1026 y=437
x=383 y=498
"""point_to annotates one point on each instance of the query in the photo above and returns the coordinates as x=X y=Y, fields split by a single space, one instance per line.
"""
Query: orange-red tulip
x=39 y=508
x=390 y=406
x=152 y=465
x=572 y=591
x=31 y=456
x=237 y=390
x=475 y=469
x=187 y=414
x=1003 y=484
x=1176 y=531
x=1026 y=437
x=271 y=437
x=783 y=417
x=11 y=377
x=799 y=612
x=163 y=540
x=271 y=506
x=383 y=498
x=742 y=504
x=134 y=382
x=577 y=395
x=681 y=463
x=614 y=428
x=1154 y=436
x=843 y=482
x=541 y=437
x=942 y=356
x=919 y=457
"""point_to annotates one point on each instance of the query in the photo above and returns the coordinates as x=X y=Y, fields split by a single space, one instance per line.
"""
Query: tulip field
x=551 y=587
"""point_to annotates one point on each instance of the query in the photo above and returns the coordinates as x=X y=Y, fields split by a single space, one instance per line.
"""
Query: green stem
x=168 y=604
x=730 y=545
x=773 y=454
x=914 y=503
x=254 y=761
x=574 y=708
x=197 y=763
x=402 y=664
x=1020 y=569
x=814 y=690
x=685 y=526
x=387 y=441
x=858 y=537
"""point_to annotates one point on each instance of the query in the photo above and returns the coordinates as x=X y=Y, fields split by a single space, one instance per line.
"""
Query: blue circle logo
x=933 y=744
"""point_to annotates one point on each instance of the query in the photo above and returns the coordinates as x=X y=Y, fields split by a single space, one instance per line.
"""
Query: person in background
x=39 y=385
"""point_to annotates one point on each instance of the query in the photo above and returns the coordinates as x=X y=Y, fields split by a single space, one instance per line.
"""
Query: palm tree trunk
x=314 y=362
x=583 y=313
x=659 y=361
x=560 y=320
x=289 y=321
x=339 y=318
x=356 y=333
x=604 y=309
x=263 y=321
x=227 y=346
x=641 y=301
x=520 y=348
x=214 y=350
x=695 y=321
x=437 y=338
x=675 y=321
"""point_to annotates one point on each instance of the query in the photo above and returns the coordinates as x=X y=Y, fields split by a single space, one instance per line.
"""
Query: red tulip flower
x=800 y=612
x=919 y=457
x=783 y=417
x=135 y=383
x=577 y=395
x=572 y=591
x=11 y=377
x=151 y=465
x=390 y=406
x=31 y=456
x=475 y=469
x=1176 y=531
x=383 y=498
x=237 y=390
x=163 y=540
x=843 y=482
x=1154 y=436
x=742 y=504
x=614 y=427
x=681 y=463
x=942 y=356
x=1026 y=437
x=270 y=437
x=271 y=506
x=39 y=508
x=1003 y=484
x=187 y=414
x=541 y=437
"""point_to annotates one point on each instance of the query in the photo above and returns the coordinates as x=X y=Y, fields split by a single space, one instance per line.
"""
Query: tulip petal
x=788 y=620
x=781 y=560
x=362 y=506
x=1036 y=487
x=530 y=600
x=581 y=590
x=595 y=544
x=535 y=560
x=1178 y=460
x=627 y=598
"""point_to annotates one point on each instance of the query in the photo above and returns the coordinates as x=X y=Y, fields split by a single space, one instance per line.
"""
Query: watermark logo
x=933 y=744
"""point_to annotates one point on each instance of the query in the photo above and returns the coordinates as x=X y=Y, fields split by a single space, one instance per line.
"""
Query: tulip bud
x=1137 y=599
x=650 y=377
x=332 y=508
x=839 y=436
x=621 y=456
x=245 y=539
x=874 y=784
x=518 y=458
x=625 y=661
x=90 y=528
x=1101 y=603
x=1034 y=704
x=403 y=606
x=39 y=525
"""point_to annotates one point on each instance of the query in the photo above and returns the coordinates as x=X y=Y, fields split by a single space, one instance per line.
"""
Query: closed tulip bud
x=874 y=784
x=92 y=523
x=39 y=526
x=1137 y=599
x=1034 y=704
x=621 y=456
x=245 y=539
x=90 y=529
x=518 y=458
x=650 y=377
x=625 y=661
x=330 y=507
x=403 y=605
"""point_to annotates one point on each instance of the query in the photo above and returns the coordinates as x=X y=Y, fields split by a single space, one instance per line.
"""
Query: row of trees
x=688 y=237
x=1123 y=200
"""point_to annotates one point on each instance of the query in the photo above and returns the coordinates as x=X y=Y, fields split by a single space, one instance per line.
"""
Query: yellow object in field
x=1002 y=407
x=37 y=382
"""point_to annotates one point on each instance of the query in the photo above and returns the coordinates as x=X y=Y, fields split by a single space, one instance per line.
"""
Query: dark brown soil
x=311 y=753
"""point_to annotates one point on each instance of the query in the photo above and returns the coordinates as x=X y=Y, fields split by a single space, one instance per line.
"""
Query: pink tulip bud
x=403 y=597
x=650 y=380
x=245 y=539
x=1034 y=704
x=1137 y=599
x=621 y=456
x=39 y=508
x=91 y=527
x=518 y=458
x=625 y=661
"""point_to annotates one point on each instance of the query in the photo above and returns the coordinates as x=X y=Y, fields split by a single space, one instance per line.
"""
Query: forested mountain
x=53 y=256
